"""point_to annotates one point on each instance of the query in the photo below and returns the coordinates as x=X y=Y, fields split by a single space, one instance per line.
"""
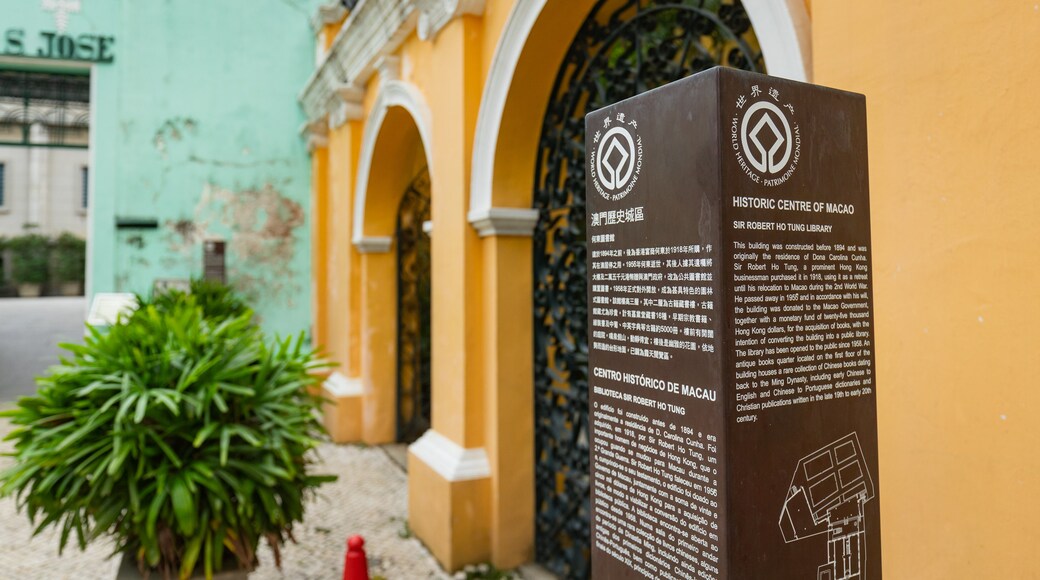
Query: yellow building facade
x=444 y=238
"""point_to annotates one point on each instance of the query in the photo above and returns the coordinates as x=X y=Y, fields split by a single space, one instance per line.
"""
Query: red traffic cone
x=356 y=565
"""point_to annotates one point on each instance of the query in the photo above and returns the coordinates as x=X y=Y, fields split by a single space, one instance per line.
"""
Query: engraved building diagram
x=829 y=488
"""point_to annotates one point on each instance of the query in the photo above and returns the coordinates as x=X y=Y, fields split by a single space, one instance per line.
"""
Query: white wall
x=15 y=210
x=43 y=185
x=66 y=212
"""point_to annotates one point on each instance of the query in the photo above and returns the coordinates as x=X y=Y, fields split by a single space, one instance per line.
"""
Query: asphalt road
x=30 y=330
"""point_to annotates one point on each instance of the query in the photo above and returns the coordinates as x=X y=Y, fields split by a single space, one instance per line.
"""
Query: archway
x=394 y=152
x=502 y=188
x=519 y=83
x=622 y=49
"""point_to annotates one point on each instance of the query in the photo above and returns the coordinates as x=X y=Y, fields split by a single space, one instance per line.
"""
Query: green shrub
x=70 y=258
x=184 y=438
x=29 y=254
x=217 y=300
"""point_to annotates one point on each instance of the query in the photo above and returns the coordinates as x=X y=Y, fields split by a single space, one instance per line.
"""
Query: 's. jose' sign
x=54 y=45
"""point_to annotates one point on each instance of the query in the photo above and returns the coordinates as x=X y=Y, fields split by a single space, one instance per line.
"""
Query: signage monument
x=731 y=361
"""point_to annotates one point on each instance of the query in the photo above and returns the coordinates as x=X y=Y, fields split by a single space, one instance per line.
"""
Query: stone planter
x=128 y=571
x=29 y=290
x=69 y=289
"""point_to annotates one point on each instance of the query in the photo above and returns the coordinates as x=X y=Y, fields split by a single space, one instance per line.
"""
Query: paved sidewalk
x=30 y=330
x=370 y=498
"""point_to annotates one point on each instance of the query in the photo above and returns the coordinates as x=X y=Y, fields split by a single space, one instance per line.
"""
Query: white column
x=39 y=177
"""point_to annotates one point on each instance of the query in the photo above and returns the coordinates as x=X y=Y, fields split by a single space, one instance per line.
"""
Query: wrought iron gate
x=622 y=49
x=413 y=311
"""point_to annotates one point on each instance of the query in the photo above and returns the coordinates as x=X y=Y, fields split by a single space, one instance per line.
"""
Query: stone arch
x=398 y=126
x=394 y=149
x=520 y=81
x=505 y=148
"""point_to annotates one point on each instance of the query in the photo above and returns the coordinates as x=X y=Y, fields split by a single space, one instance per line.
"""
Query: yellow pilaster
x=340 y=268
x=378 y=342
x=457 y=405
x=319 y=239
x=507 y=299
x=510 y=397
x=342 y=272
x=448 y=468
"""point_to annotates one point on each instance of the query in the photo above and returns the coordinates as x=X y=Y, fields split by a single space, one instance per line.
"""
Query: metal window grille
x=84 y=174
x=44 y=109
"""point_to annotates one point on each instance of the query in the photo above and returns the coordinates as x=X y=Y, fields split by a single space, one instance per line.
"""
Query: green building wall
x=196 y=126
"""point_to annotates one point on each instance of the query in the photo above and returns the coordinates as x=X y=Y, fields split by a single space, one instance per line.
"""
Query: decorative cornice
x=349 y=93
x=389 y=68
x=349 y=106
x=450 y=460
x=375 y=28
x=434 y=15
x=325 y=14
x=504 y=221
x=323 y=100
x=316 y=142
x=372 y=30
x=316 y=135
x=374 y=244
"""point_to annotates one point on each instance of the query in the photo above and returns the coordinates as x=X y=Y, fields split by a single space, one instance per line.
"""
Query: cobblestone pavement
x=370 y=498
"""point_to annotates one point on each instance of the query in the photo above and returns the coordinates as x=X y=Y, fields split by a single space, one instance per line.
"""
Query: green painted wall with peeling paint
x=195 y=125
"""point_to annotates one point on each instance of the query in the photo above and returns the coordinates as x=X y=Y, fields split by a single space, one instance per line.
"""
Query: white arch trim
x=783 y=29
x=392 y=94
x=784 y=32
x=492 y=106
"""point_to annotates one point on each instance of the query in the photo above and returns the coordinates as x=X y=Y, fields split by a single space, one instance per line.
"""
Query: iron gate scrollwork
x=623 y=48
x=413 y=311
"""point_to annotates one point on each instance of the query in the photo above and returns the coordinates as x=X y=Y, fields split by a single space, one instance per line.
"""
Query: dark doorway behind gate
x=413 y=310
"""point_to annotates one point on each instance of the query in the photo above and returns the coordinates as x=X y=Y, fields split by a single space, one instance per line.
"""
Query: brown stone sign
x=731 y=361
